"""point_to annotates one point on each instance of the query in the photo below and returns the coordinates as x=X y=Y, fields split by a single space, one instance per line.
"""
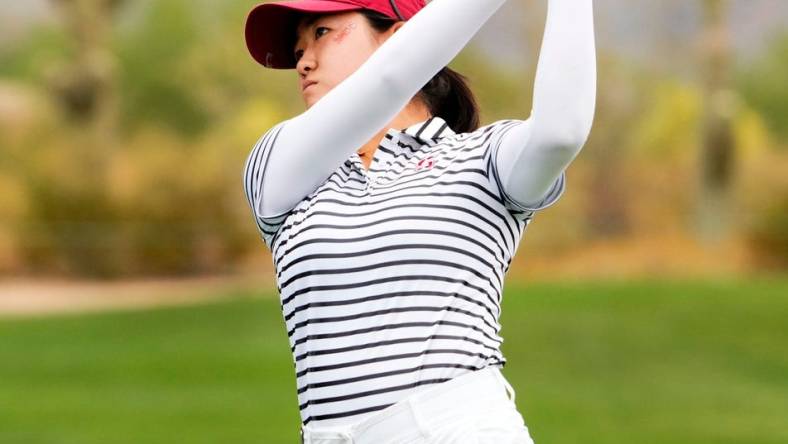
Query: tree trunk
x=714 y=212
x=84 y=86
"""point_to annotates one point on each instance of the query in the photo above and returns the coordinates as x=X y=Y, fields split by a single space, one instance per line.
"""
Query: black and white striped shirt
x=391 y=278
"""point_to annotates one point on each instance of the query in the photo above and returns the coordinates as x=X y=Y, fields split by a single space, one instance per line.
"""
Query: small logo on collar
x=425 y=163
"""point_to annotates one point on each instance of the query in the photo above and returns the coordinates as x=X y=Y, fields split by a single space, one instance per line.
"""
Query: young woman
x=392 y=216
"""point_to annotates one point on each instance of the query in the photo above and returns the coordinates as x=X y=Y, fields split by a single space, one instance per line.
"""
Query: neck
x=413 y=113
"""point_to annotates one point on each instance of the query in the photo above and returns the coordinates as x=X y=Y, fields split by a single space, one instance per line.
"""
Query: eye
x=319 y=28
x=300 y=52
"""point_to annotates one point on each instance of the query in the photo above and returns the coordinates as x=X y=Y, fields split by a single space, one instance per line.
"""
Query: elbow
x=568 y=129
x=393 y=78
x=578 y=137
x=573 y=133
x=576 y=132
x=568 y=140
x=391 y=82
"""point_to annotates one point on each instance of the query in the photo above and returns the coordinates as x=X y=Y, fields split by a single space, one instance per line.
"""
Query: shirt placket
x=380 y=160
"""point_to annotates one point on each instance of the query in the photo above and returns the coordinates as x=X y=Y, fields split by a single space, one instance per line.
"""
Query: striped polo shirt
x=390 y=278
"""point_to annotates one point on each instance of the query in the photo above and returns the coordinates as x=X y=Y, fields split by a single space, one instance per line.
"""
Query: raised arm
x=310 y=146
x=534 y=153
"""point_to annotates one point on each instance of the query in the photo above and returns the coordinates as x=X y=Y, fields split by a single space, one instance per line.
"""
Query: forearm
x=313 y=144
x=533 y=153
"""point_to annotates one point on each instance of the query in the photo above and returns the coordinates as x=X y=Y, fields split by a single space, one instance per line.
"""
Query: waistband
x=415 y=415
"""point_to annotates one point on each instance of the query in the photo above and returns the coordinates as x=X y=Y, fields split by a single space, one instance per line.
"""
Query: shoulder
x=499 y=126
x=271 y=134
x=264 y=145
x=491 y=129
x=485 y=135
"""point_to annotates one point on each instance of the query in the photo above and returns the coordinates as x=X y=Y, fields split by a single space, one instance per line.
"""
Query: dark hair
x=446 y=95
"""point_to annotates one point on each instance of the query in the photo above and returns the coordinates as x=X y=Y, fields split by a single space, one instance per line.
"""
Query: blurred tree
x=769 y=234
x=156 y=87
x=84 y=86
x=607 y=205
x=534 y=17
x=714 y=219
x=764 y=86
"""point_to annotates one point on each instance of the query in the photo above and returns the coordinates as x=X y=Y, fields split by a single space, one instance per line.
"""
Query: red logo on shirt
x=427 y=162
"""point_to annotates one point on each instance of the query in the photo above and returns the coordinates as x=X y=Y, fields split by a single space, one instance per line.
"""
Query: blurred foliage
x=166 y=197
x=23 y=62
x=150 y=54
x=764 y=85
x=667 y=127
x=770 y=234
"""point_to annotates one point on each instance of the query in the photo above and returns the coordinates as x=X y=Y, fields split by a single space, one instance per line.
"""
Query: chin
x=311 y=100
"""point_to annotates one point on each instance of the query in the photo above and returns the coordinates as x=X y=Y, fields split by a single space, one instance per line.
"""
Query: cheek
x=350 y=46
x=343 y=34
x=348 y=50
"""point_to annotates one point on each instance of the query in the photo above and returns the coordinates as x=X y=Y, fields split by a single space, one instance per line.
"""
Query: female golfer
x=392 y=216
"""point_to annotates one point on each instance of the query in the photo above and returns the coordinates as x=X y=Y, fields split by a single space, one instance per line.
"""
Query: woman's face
x=331 y=48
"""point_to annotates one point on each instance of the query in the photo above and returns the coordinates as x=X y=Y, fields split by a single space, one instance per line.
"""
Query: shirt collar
x=429 y=130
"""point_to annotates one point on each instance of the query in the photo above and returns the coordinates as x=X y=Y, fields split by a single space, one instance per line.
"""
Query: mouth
x=308 y=85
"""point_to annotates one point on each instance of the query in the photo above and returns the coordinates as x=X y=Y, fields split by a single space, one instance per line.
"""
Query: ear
x=396 y=27
x=389 y=32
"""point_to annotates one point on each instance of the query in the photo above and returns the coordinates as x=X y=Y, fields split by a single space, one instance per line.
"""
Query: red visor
x=270 y=26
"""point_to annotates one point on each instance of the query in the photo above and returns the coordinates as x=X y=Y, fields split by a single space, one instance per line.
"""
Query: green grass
x=614 y=362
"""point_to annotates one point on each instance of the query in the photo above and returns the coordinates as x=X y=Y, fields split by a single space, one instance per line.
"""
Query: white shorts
x=474 y=408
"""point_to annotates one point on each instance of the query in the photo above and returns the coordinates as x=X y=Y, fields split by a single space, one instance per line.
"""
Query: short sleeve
x=267 y=226
x=550 y=197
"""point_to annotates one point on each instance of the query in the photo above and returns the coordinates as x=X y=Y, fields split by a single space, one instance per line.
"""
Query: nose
x=306 y=63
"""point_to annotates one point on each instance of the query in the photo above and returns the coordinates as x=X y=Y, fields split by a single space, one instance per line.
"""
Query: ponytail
x=448 y=96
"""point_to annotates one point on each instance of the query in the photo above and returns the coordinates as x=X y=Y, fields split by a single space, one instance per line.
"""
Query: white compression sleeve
x=312 y=145
x=536 y=151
